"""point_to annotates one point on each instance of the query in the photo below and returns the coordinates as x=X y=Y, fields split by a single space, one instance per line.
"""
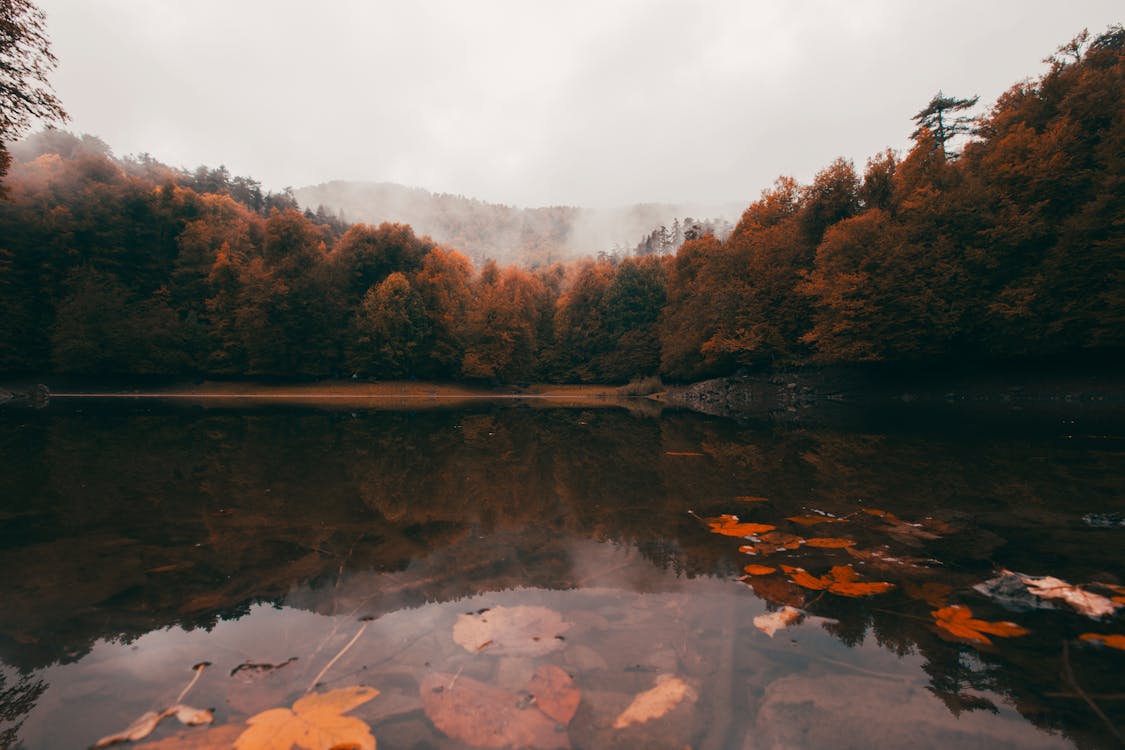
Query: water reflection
x=136 y=543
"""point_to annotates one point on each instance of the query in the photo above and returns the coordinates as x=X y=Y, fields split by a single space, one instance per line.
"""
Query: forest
x=992 y=239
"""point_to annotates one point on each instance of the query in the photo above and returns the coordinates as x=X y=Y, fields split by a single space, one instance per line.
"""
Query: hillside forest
x=992 y=239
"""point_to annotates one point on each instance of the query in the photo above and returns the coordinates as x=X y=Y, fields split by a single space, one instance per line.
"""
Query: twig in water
x=336 y=658
x=454 y=680
x=1068 y=675
x=198 y=668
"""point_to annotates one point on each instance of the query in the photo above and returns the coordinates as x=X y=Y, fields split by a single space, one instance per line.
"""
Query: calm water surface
x=140 y=539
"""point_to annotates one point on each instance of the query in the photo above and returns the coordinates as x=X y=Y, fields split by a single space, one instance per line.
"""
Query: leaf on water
x=776 y=589
x=1089 y=604
x=828 y=542
x=811 y=520
x=932 y=593
x=771 y=542
x=841 y=579
x=213 y=738
x=485 y=716
x=772 y=622
x=555 y=693
x=147 y=722
x=881 y=558
x=751 y=499
x=1113 y=641
x=655 y=702
x=315 y=722
x=511 y=631
x=728 y=525
x=759 y=570
x=958 y=621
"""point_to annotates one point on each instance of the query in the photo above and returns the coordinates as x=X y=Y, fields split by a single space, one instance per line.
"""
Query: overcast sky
x=581 y=102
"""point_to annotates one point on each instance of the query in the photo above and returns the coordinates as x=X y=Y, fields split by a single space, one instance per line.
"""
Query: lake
x=512 y=574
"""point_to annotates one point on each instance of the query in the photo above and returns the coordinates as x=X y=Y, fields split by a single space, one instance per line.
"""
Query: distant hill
x=507 y=234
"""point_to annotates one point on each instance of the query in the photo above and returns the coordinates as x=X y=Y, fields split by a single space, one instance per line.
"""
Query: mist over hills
x=510 y=234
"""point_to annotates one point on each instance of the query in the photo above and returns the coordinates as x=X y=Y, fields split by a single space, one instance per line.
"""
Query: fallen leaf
x=759 y=570
x=147 y=722
x=774 y=621
x=729 y=525
x=931 y=592
x=655 y=702
x=812 y=520
x=315 y=722
x=776 y=589
x=555 y=693
x=828 y=542
x=841 y=579
x=771 y=542
x=751 y=499
x=957 y=620
x=485 y=716
x=882 y=559
x=511 y=631
x=212 y=738
x=907 y=533
x=1113 y=641
x=1089 y=604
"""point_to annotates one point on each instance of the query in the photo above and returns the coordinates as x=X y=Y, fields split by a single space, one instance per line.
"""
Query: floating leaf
x=841 y=579
x=828 y=542
x=957 y=620
x=812 y=520
x=1089 y=604
x=881 y=558
x=555 y=693
x=771 y=542
x=655 y=702
x=759 y=570
x=905 y=532
x=316 y=721
x=776 y=589
x=147 y=722
x=485 y=716
x=511 y=631
x=774 y=621
x=728 y=525
x=1113 y=641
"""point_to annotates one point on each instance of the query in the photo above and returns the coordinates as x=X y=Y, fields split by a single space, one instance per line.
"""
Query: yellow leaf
x=828 y=542
x=654 y=703
x=957 y=620
x=315 y=722
x=1113 y=641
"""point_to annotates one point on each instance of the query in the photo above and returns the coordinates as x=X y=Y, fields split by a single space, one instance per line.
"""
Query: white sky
x=585 y=102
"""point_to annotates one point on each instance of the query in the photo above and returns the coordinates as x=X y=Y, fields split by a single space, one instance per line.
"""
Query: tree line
x=1011 y=247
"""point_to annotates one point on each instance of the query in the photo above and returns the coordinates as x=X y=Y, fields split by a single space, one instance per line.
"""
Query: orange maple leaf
x=957 y=620
x=315 y=722
x=729 y=525
x=841 y=579
x=1113 y=641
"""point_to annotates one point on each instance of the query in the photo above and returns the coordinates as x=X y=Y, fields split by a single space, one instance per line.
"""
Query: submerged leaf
x=655 y=702
x=213 y=738
x=1113 y=641
x=828 y=542
x=316 y=721
x=485 y=716
x=511 y=631
x=776 y=589
x=774 y=621
x=555 y=693
x=957 y=620
x=931 y=592
x=729 y=525
x=841 y=580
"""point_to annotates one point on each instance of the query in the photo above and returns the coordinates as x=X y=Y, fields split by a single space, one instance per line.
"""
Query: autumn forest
x=994 y=238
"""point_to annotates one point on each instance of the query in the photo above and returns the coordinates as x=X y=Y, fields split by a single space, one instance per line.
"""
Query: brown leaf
x=812 y=520
x=774 y=621
x=485 y=716
x=931 y=592
x=1113 y=641
x=751 y=499
x=776 y=589
x=729 y=525
x=511 y=631
x=147 y=722
x=829 y=542
x=555 y=693
x=315 y=722
x=957 y=620
x=212 y=738
x=841 y=580
x=771 y=542
x=655 y=702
